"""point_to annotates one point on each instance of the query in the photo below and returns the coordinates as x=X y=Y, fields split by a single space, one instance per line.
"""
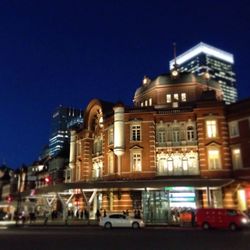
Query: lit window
x=214 y=159
x=175 y=105
x=150 y=101
x=136 y=161
x=97 y=170
x=135 y=133
x=176 y=135
x=236 y=157
x=185 y=163
x=168 y=98
x=111 y=136
x=162 y=165
x=146 y=103
x=97 y=146
x=111 y=162
x=176 y=97
x=142 y=104
x=211 y=128
x=190 y=133
x=233 y=129
x=183 y=97
x=170 y=164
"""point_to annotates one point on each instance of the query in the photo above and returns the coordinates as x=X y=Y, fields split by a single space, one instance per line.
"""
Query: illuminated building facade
x=204 y=58
x=172 y=150
x=178 y=148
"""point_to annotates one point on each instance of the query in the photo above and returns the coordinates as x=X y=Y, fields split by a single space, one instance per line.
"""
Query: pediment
x=135 y=147
x=213 y=144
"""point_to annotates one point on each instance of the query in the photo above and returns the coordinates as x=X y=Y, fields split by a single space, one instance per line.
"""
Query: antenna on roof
x=174 y=48
x=175 y=68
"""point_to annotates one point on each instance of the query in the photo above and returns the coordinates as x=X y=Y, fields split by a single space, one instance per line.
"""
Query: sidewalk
x=92 y=223
x=60 y=222
x=40 y=222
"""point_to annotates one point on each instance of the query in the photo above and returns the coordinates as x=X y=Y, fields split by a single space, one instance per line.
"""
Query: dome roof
x=169 y=79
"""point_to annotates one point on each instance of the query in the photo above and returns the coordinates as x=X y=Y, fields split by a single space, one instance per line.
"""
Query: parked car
x=221 y=218
x=120 y=220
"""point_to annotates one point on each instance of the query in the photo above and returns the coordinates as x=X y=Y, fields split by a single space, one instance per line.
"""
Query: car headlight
x=244 y=220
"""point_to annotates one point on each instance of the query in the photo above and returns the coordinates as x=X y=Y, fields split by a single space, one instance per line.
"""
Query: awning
x=136 y=184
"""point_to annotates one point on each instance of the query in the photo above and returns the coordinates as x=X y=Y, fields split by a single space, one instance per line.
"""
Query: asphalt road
x=157 y=238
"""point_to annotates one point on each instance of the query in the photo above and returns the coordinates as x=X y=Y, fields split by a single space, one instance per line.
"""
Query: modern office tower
x=62 y=120
x=204 y=58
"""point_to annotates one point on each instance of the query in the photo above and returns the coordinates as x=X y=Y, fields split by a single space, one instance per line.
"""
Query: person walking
x=86 y=214
x=97 y=214
x=104 y=213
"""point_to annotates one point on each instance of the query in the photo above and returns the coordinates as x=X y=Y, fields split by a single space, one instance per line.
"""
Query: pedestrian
x=193 y=218
x=139 y=214
x=46 y=218
x=104 y=213
x=86 y=214
x=81 y=214
x=98 y=214
x=135 y=213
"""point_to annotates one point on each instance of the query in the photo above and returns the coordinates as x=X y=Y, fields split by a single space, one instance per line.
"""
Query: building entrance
x=166 y=206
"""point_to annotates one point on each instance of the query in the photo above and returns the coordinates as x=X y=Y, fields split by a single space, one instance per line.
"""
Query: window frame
x=111 y=163
x=211 y=129
x=236 y=162
x=184 y=97
x=168 y=98
x=214 y=163
x=233 y=129
x=134 y=153
x=111 y=135
x=137 y=137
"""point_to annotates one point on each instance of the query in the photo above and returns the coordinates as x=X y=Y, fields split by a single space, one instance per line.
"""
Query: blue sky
x=68 y=52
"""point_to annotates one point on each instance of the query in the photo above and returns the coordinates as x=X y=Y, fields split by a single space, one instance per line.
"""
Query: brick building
x=179 y=147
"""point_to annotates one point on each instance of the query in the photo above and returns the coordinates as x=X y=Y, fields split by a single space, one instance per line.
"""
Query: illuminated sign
x=181 y=196
x=179 y=189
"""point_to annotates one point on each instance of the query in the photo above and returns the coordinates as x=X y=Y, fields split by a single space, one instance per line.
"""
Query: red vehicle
x=221 y=218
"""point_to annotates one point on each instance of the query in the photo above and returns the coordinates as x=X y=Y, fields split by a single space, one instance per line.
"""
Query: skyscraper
x=204 y=58
x=63 y=118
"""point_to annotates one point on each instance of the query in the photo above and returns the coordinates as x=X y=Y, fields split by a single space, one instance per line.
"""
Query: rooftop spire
x=174 y=49
x=175 y=68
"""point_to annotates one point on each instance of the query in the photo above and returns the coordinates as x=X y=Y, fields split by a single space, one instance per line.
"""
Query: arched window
x=162 y=165
x=170 y=164
x=185 y=163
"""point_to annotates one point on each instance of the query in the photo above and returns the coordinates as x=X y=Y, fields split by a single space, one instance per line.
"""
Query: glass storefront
x=165 y=206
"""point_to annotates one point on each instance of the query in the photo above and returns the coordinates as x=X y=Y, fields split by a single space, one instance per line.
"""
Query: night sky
x=68 y=52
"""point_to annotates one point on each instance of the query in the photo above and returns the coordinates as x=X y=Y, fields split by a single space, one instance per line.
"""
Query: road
x=156 y=238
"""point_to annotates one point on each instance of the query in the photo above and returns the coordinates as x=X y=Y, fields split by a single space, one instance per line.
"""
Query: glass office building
x=204 y=58
x=62 y=120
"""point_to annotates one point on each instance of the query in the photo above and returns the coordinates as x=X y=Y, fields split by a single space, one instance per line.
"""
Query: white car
x=120 y=220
